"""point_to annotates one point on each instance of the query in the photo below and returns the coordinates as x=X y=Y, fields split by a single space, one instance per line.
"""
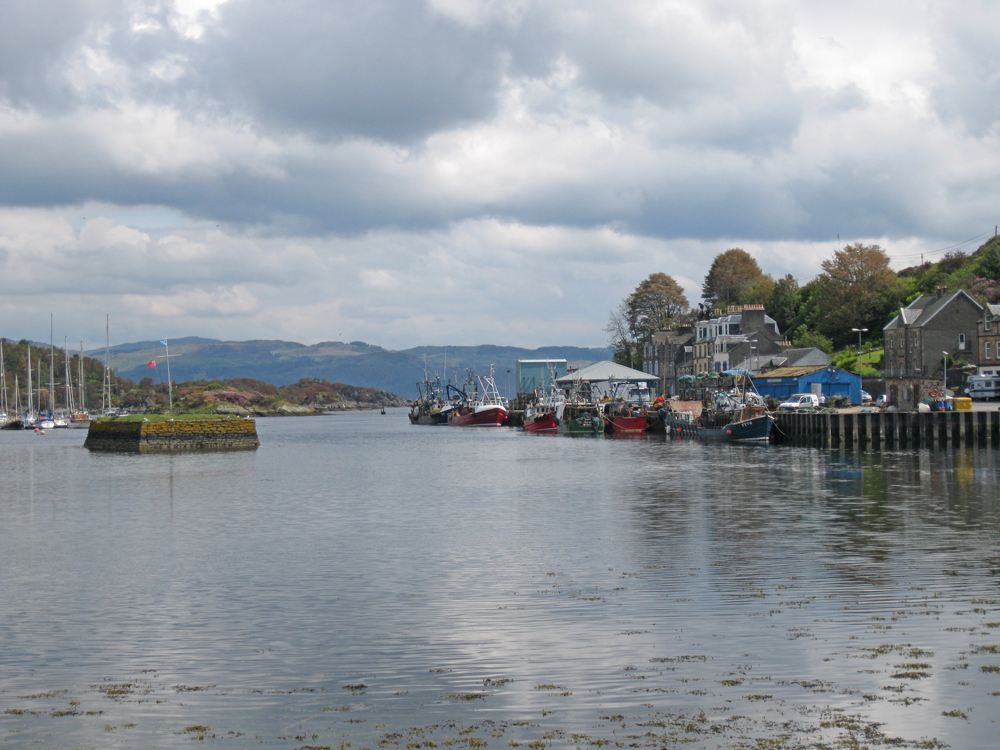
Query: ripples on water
x=360 y=580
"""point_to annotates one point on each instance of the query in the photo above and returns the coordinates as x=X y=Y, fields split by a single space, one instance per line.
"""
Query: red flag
x=152 y=363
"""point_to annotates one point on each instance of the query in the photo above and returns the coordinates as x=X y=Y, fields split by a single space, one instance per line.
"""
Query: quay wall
x=876 y=430
x=181 y=436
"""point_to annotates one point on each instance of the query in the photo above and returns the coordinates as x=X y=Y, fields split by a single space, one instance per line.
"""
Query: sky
x=462 y=172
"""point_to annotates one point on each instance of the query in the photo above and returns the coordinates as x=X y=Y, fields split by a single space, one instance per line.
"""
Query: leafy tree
x=989 y=261
x=655 y=305
x=759 y=292
x=857 y=289
x=803 y=338
x=730 y=279
x=783 y=302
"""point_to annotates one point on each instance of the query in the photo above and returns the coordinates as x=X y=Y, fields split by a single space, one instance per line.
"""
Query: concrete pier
x=890 y=430
x=180 y=436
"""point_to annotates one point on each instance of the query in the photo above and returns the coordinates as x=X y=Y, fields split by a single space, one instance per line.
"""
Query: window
x=988 y=350
x=961 y=341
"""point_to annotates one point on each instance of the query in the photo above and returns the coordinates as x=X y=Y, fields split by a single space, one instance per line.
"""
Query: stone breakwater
x=181 y=436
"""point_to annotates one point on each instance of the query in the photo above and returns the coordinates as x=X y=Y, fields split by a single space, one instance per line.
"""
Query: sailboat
x=80 y=417
x=48 y=421
x=4 y=413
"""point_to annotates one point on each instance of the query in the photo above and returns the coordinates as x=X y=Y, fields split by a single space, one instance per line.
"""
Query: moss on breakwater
x=171 y=435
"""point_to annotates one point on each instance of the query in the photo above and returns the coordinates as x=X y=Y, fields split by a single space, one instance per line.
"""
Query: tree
x=857 y=289
x=783 y=303
x=989 y=261
x=732 y=275
x=803 y=338
x=655 y=305
x=628 y=349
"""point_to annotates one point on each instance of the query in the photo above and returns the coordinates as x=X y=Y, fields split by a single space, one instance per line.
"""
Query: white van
x=984 y=387
x=800 y=401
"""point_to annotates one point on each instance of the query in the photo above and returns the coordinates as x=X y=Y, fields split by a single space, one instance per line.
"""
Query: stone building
x=734 y=337
x=667 y=355
x=989 y=341
x=930 y=326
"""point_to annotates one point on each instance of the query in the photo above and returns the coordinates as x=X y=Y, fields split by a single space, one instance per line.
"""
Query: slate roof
x=922 y=310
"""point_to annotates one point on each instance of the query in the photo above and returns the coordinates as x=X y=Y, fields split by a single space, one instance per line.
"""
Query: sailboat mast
x=83 y=392
x=106 y=386
x=31 y=405
x=3 y=378
x=52 y=366
x=69 y=380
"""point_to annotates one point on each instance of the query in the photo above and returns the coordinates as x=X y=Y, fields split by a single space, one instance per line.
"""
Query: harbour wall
x=181 y=436
x=876 y=430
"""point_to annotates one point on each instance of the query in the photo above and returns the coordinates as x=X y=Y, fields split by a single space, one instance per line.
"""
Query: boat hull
x=484 y=416
x=756 y=428
x=542 y=423
x=626 y=425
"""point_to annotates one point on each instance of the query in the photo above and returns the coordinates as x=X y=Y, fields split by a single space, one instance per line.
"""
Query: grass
x=164 y=417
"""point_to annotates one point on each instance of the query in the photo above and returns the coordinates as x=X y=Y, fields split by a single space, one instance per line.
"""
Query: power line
x=941 y=250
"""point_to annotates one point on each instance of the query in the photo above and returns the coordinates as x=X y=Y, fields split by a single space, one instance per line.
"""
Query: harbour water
x=361 y=582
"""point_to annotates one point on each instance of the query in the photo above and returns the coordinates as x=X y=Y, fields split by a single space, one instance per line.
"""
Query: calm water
x=360 y=580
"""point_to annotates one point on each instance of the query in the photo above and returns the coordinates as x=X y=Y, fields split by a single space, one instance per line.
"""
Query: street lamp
x=859 y=331
x=944 y=393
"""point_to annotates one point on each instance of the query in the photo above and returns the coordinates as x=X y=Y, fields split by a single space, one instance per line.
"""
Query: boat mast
x=106 y=386
x=31 y=405
x=69 y=379
x=3 y=379
x=52 y=366
x=83 y=392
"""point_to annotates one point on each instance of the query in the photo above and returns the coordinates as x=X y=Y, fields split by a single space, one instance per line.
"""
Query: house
x=830 y=381
x=989 y=341
x=931 y=326
x=743 y=332
x=667 y=355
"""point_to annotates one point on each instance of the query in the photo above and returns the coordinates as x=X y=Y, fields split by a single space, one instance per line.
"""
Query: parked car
x=800 y=401
x=882 y=401
x=866 y=397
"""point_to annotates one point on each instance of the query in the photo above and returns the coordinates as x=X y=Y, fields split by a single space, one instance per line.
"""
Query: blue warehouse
x=830 y=381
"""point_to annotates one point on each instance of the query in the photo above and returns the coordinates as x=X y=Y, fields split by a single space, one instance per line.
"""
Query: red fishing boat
x=480 y=405
x=545 y=413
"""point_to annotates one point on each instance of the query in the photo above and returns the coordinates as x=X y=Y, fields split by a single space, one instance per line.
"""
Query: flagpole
x=170 y=385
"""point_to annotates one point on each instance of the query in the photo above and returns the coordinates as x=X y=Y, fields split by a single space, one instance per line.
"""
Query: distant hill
x=356 y=363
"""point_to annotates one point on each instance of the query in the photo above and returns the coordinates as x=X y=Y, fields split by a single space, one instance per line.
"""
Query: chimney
x=753 y=318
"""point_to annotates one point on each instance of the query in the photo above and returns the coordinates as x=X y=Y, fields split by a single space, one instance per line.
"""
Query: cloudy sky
x=468 y=171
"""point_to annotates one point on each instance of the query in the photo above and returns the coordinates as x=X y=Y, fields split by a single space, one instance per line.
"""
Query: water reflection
x=361 y=580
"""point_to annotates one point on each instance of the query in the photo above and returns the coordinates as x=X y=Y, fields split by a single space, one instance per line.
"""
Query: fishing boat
x=622 y=419
x=624 y=408
x=737 y=415
x=479 y=405
x=431 y=406
x=545 y=413
x=750 y=423
x=582 y=419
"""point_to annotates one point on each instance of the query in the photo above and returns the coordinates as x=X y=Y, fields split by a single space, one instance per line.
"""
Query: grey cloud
x=968 y=92
x=36 y=39
x=363 y=68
